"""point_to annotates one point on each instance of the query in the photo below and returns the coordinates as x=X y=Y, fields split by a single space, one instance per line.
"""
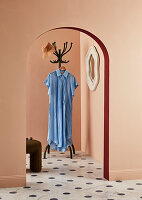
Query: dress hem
x=54 y=145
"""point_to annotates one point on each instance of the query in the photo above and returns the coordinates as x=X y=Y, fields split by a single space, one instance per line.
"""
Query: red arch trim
x=106 y=95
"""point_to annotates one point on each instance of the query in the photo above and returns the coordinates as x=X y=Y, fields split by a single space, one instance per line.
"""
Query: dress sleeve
x=47 y=82
x=74 y=85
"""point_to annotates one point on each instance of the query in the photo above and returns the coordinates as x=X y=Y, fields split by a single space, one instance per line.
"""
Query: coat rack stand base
x=47 y=149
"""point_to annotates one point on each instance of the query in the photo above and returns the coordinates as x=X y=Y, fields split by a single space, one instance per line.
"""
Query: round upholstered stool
x=34 y=148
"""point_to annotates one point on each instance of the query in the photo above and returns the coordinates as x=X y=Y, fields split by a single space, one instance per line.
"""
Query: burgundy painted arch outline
x=106 y=94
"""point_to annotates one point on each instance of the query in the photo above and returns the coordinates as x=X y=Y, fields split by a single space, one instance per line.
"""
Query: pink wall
x=118 y=25
x=92 y=105
x=37 y=91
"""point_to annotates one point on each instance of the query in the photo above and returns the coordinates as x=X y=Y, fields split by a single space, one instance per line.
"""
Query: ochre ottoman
x=34 y=148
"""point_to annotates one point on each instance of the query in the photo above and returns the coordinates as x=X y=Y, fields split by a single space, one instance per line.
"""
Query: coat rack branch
x=60 y=54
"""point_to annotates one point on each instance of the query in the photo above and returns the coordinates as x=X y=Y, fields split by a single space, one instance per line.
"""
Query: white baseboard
x=12 y=181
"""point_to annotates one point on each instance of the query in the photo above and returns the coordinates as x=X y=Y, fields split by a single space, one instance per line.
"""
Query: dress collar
x=59 y=73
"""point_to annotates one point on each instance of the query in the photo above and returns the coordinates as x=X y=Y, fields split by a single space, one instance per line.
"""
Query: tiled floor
x=77 y=179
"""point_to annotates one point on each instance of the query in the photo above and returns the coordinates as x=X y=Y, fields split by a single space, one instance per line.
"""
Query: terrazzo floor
x=79 y=178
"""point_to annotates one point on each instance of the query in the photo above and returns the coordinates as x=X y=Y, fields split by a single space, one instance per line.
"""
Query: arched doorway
x=106 y=94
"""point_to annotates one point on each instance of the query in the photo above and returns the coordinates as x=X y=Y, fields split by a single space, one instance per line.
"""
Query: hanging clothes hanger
x=62 y=68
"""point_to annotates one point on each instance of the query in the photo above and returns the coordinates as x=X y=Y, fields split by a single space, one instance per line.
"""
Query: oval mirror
x=92 y=68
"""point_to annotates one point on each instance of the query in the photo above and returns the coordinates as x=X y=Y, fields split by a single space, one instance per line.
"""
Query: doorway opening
x=106 y=92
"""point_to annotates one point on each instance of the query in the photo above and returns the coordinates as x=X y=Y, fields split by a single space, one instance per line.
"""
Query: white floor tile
x=79 y=178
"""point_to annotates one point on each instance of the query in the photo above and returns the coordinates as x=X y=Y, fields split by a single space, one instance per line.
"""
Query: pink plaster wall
x=92 y=105
x=37 y=92
x=118 y=24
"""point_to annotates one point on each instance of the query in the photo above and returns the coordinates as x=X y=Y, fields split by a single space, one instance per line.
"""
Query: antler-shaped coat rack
x=60 y=54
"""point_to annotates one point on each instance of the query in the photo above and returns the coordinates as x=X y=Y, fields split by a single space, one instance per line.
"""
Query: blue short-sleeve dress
x=61 y=90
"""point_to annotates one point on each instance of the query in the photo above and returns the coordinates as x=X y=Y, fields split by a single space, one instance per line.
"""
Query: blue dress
x=61 y=89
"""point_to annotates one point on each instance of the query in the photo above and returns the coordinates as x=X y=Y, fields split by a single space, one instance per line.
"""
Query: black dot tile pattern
x=13 y=192
x=58 y=185
x=67 y=156
x=70 y=180
x=51 y=178
x=39 y=182
x=62 y=174
x=65 y=164
x=130 y=188
x=53 y=199
x=110 y=199
x=32 y=195
x=118 y=181
x=88 y=196
x=46 y=190
x=67 y=176
x=27 y=187
x=98 y=178
x=109 y=186
x=121 y=194
x=78 y=188
x=89 y=183
x=66 y=193
x=138 y=183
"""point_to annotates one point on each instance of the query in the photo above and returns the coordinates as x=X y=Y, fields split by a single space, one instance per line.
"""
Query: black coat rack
x=59 y=55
